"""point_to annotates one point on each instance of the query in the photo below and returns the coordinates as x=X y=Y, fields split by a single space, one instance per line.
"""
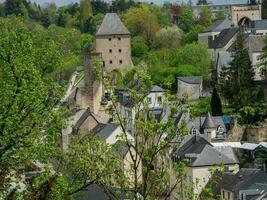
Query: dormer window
x=220 y=129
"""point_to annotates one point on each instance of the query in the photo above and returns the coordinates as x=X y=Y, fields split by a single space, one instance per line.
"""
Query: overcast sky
x=62 y=2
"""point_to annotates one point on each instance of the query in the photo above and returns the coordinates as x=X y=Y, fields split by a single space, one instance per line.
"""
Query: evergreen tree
x=264 y=9
x=237 y=82
x=216 y=104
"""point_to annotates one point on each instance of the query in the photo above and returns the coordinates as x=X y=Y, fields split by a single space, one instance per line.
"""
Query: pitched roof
x=86 y=114
x=121 y=148
x=224 y=37
x=258 y=24
x=208 y=123
x=107 y=130
x=94 y=191
x=191 y=79
x=112 y=25
x=245 y=179
x=156 y=88
x=219 y=25
x=201 y=153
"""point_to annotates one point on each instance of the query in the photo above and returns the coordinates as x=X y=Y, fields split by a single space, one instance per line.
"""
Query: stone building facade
x=246 y=13
x=190 y=86
x=113 y=41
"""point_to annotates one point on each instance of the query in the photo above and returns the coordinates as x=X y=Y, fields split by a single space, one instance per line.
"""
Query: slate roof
x=218 y=26
x=253 y=146
x=93 y=192
x=198 y=122
x=191 y=79
x=208 y=123
x=224 y=37
x=156 y=88
x=225 y=58
x=121 y=148
x=201 y=153
x=245 y=179
x=106 y=131
x=112 y=25
x=85 y=116
x=258 y=24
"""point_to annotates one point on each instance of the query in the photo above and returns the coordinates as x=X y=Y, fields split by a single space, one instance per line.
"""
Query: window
x=223 y=195
x=149 y=99
x=110 y=62
x=194 y=131
x=109 y=39
x=228 y=195
x=120 y=50
x=119 y=38
x=160 y=99
x=120 y=61
x=110 y=50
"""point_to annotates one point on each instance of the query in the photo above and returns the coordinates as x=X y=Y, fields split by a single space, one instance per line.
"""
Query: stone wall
x=115 y=51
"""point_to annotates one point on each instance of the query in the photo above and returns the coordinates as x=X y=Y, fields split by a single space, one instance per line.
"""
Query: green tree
x=141 y=22
x=220 y=15
x=237 y=82
x=195 y=55
x=16 y=7
x=192 y=36
x=169 y=38
x=186 y=19
x=205 y=17
x=264 y=9
x=28 y=120
x=139 y=49
x=216 y=104
x=85 y=12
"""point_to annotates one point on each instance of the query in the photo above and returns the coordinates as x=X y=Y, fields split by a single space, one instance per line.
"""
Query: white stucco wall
x=154 y=99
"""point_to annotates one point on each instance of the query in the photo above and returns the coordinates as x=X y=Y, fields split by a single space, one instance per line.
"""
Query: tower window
x=110 y=50
x=109 y=39
x=119 y=38
x=120 y=50
x=120 y=61
x=110 y=62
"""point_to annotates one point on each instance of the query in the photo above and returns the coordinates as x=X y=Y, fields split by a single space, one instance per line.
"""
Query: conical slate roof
x=112 y=25
x=208 y=123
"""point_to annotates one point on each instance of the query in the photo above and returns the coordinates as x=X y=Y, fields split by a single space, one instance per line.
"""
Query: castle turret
x=208 y=128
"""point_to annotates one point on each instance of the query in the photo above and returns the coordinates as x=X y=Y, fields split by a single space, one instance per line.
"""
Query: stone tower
x=92 y=91
x=113 y=42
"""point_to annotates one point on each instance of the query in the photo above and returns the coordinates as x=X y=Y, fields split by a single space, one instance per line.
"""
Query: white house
x=155 y=97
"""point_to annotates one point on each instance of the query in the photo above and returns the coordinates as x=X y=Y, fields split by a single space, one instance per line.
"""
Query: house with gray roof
x=211 y=32
x=201 y=157
x=248 y=184
x=190 y=86
x=113 y=42
x=212 y=127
